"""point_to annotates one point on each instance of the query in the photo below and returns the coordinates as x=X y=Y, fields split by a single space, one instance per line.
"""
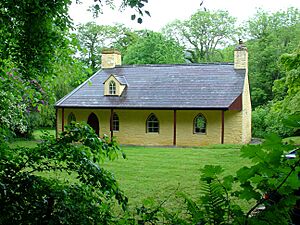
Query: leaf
x=272 y=140
x=133 y=17
x=148 y=13
x=192 y=208
x=248 y=192
x=140 y=20
x=245 y=173
x=251 y=151
x=141 y=5
x=211 y=170
x=293 y=181
x=228 y=181
x=292 y=121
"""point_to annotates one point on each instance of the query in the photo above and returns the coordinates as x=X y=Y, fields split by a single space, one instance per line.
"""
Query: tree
x=93 y=38
x=203 y=33
x=270 y=117
x=31 y=31
x=34 y=30
x=82 y=192
x=68 y=72
x=18 y=98
x=271 y=36
x=154 y=48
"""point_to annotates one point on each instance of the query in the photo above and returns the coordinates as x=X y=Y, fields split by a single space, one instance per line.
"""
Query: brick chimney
x=110 y=58
x=241 y=56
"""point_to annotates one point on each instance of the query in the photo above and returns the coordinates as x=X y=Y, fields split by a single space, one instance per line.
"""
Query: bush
x=266 y=119
x=30 y=195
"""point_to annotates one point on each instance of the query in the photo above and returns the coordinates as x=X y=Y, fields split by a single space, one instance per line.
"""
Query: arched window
x=115 y=122
x=94 y=122
x=71 y=117
x=200 y=124
x=152 y=124
x=112 y=88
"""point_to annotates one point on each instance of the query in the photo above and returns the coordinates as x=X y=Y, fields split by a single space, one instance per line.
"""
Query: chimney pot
x=241 y=56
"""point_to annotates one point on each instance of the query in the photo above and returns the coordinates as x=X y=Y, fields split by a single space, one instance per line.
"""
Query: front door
x=94 y=122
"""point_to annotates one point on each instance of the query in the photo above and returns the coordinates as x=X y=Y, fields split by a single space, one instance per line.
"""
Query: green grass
x=30 y=143
x=37 y=134
x=160 y=172
x=294 y=140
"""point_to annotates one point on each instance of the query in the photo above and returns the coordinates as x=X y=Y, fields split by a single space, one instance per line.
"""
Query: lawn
x=153 y=172
x=160 y=172
x=36 y=137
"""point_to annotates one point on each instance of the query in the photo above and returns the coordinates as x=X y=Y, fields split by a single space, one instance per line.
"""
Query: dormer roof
x=121 y=79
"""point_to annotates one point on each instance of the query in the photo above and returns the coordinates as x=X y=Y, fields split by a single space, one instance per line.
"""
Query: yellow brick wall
x=185 y=134
x=247 y=115
x=233 y=127
x=133 y=126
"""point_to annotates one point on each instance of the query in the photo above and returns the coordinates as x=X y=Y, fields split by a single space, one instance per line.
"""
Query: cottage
x=164 y=105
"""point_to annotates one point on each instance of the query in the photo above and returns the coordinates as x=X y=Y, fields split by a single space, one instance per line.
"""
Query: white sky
x=165 y=11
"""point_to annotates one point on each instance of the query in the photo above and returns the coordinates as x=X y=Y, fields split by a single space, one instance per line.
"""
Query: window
x=152 y=124
x=112 y=88
x=200 y=124
x=71 y=118
x=115 y=122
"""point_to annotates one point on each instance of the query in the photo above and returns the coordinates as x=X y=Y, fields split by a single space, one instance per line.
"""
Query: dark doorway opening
x=94 y=122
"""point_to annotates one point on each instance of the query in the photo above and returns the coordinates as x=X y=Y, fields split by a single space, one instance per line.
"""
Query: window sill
x=200 y=133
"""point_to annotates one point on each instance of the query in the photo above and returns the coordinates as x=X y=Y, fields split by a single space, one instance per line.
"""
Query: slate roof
x=186 y=86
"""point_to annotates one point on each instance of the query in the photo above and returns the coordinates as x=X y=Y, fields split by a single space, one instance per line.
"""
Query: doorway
x=94 y=122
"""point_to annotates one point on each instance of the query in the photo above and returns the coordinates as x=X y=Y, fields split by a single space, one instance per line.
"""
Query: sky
x=165 y=11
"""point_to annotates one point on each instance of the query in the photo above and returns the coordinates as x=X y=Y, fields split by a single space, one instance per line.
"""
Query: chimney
x=241 y=56
x=110 y=58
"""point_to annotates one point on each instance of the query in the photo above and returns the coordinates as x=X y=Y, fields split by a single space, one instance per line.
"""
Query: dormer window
x=114 y=85
x=112 y=88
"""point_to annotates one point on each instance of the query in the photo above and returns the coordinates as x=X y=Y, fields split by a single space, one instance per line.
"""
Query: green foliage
x=203 y=33
x=271 y=181
x=270 y=118
x=17 y=99
x=29 y=196
x=214 y=205
x=32 y=30
x=93 y=38
x=154 y=48
x=137 y=5
x=271 y=36
x=266 y=119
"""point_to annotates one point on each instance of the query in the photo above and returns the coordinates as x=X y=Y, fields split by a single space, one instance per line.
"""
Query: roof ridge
x=170 y=65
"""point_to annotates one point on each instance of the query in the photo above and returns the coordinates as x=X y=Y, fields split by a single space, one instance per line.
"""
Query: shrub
x=30 y=195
